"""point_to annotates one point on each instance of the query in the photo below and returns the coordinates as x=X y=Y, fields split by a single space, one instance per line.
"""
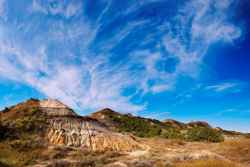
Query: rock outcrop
x=62 y=126
x=88 y=133
x=55 y=108
x=68 y=128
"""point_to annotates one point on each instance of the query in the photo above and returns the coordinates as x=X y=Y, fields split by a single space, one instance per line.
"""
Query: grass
x=205 y=163
x=10 y=156
x=237 y=150
x=65 y=156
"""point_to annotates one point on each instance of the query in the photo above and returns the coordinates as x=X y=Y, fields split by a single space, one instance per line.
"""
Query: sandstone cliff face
x=78 y=132
x=69 y=129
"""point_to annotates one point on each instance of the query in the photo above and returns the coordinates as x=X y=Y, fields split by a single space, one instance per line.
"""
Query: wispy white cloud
x=160 y=88
x=226 y=86
x=199 y=25
x=187 y=39
x=194 y=30
x=237 y=110
x=57 y=8
x=85 y=79
x=88 y=86
x=2 y=8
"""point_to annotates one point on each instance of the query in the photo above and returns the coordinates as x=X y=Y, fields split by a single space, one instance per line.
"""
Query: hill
x=47 y=133
x=35 y=125
x=170 y=129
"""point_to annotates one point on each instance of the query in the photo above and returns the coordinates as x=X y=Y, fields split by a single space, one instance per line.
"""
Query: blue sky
x=184 y=59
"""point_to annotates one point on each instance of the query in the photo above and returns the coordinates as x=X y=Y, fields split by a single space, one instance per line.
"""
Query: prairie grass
x=237 y=150
x=205 y=163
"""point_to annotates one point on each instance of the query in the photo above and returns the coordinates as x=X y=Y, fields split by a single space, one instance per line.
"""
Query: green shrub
x=172 y=133
x=32 y=122
x=204 y=134
x=149 y=128
x=139 y=127
x=24 y=124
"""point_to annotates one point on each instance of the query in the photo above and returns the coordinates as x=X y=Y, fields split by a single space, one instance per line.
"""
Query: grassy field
x=206 y=163
x=236 y=150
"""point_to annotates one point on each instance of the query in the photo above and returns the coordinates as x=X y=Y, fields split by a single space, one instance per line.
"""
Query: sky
x=185 y=59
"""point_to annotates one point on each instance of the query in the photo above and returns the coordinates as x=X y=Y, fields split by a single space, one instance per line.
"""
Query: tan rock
x=88 y=133
x=55 y=108
x=50 y=103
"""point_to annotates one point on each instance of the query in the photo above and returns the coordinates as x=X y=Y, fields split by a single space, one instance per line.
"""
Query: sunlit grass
x=205 y=163
x=237 y=150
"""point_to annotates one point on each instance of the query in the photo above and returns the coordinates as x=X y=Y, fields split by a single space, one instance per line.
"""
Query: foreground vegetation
x=206 y=163
x=237 y=150
x=20 y=136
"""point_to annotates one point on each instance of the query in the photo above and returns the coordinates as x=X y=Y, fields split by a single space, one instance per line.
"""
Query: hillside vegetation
x=142 y=127
x=21 y=130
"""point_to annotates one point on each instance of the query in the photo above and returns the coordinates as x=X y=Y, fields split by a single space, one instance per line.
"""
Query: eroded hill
x=38 y=124
x=48 y=133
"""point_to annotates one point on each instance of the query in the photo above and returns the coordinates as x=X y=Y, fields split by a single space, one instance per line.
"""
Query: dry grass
x=12 y=157
x=60 y=156
x=205 y=163
x=237 y=150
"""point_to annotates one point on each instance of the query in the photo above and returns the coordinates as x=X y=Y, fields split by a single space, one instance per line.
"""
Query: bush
x=3 y=132
x=204 y=134
x=172 y=133
x=138 y=127
x=31 y=122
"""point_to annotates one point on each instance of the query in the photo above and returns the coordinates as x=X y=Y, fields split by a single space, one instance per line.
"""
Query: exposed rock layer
x=87 y=133
x=67 y=128
x=55 y=108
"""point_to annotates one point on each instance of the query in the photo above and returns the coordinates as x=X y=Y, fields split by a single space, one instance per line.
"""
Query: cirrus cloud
x=88 y=59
